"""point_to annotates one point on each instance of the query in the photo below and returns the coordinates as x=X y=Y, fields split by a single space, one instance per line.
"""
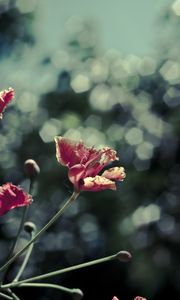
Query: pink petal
x=5 y=97
x=85 y=163
x=99 y=160
x=108 y=155
x=97 y=183
x=75 y=174
x=116 y=173
x=69 y=153
x=11 y=197
x=115 y=298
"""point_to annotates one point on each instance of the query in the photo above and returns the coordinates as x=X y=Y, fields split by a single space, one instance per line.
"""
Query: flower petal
x=99 y=160
x=97 y=183
x=75 y=174
x=5 y=97
x=116 y=173
x=85 y=163
x=12 y=196
x=69 y=153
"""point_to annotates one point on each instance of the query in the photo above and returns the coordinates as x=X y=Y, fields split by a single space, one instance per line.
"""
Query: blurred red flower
x=84 y=165
x=12 y=196
x=137 y=298
x=5 y=97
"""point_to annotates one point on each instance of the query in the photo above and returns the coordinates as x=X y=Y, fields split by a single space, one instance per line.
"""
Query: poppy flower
x=5 y=97
x=84 y=165
x=137 y=298
x=12 y=196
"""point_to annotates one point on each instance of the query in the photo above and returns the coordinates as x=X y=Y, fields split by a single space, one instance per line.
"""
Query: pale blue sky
x=129 y=26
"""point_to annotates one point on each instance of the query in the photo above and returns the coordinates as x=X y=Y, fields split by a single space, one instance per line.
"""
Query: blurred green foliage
x=129 y=103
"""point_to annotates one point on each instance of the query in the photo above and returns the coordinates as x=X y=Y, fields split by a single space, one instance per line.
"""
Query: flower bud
x=124 y=256
x=77 y=294
x=29 y=227
x=31 y=168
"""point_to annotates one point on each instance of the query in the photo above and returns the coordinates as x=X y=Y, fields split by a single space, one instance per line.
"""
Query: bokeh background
x=107 y=73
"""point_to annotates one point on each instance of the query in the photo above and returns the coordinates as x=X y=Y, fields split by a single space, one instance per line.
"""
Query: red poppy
x=137 y=298
x=12 y=196
x=85 y=164
x=5 y=97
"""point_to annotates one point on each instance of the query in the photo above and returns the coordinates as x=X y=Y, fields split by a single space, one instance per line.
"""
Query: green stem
x=5 y=296
x=15 y=240
x=13 y=295
x=72 y=268
x=19 y=231
x=52 y=220
x=49 y=285
x=24 y=264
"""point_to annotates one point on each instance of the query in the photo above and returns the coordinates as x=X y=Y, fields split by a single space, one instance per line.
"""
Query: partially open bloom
x=12 y=196
x=85 y=164
x=137 y=298
x=5 y=97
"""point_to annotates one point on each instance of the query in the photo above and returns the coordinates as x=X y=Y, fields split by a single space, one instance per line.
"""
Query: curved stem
x=52 y=220
x=49 y=285
x=72 y=268
x=24 y=264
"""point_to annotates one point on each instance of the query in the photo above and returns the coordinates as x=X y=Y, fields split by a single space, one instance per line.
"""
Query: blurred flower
x=84 y=165
x=11 y=197
x=137 y=298
x=5 y=97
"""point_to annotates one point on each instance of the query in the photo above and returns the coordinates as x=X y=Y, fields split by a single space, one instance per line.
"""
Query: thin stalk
x=49 y=285
x=52 y=220
x=19 y=231
x=13 y=295
x=65 y=270
x=24 y=264
x=5 y=296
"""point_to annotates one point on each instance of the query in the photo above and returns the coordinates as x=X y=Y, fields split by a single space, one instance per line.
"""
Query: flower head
x=85 y=164
x=137 y=298
x=12 y=196
x=5 y=97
